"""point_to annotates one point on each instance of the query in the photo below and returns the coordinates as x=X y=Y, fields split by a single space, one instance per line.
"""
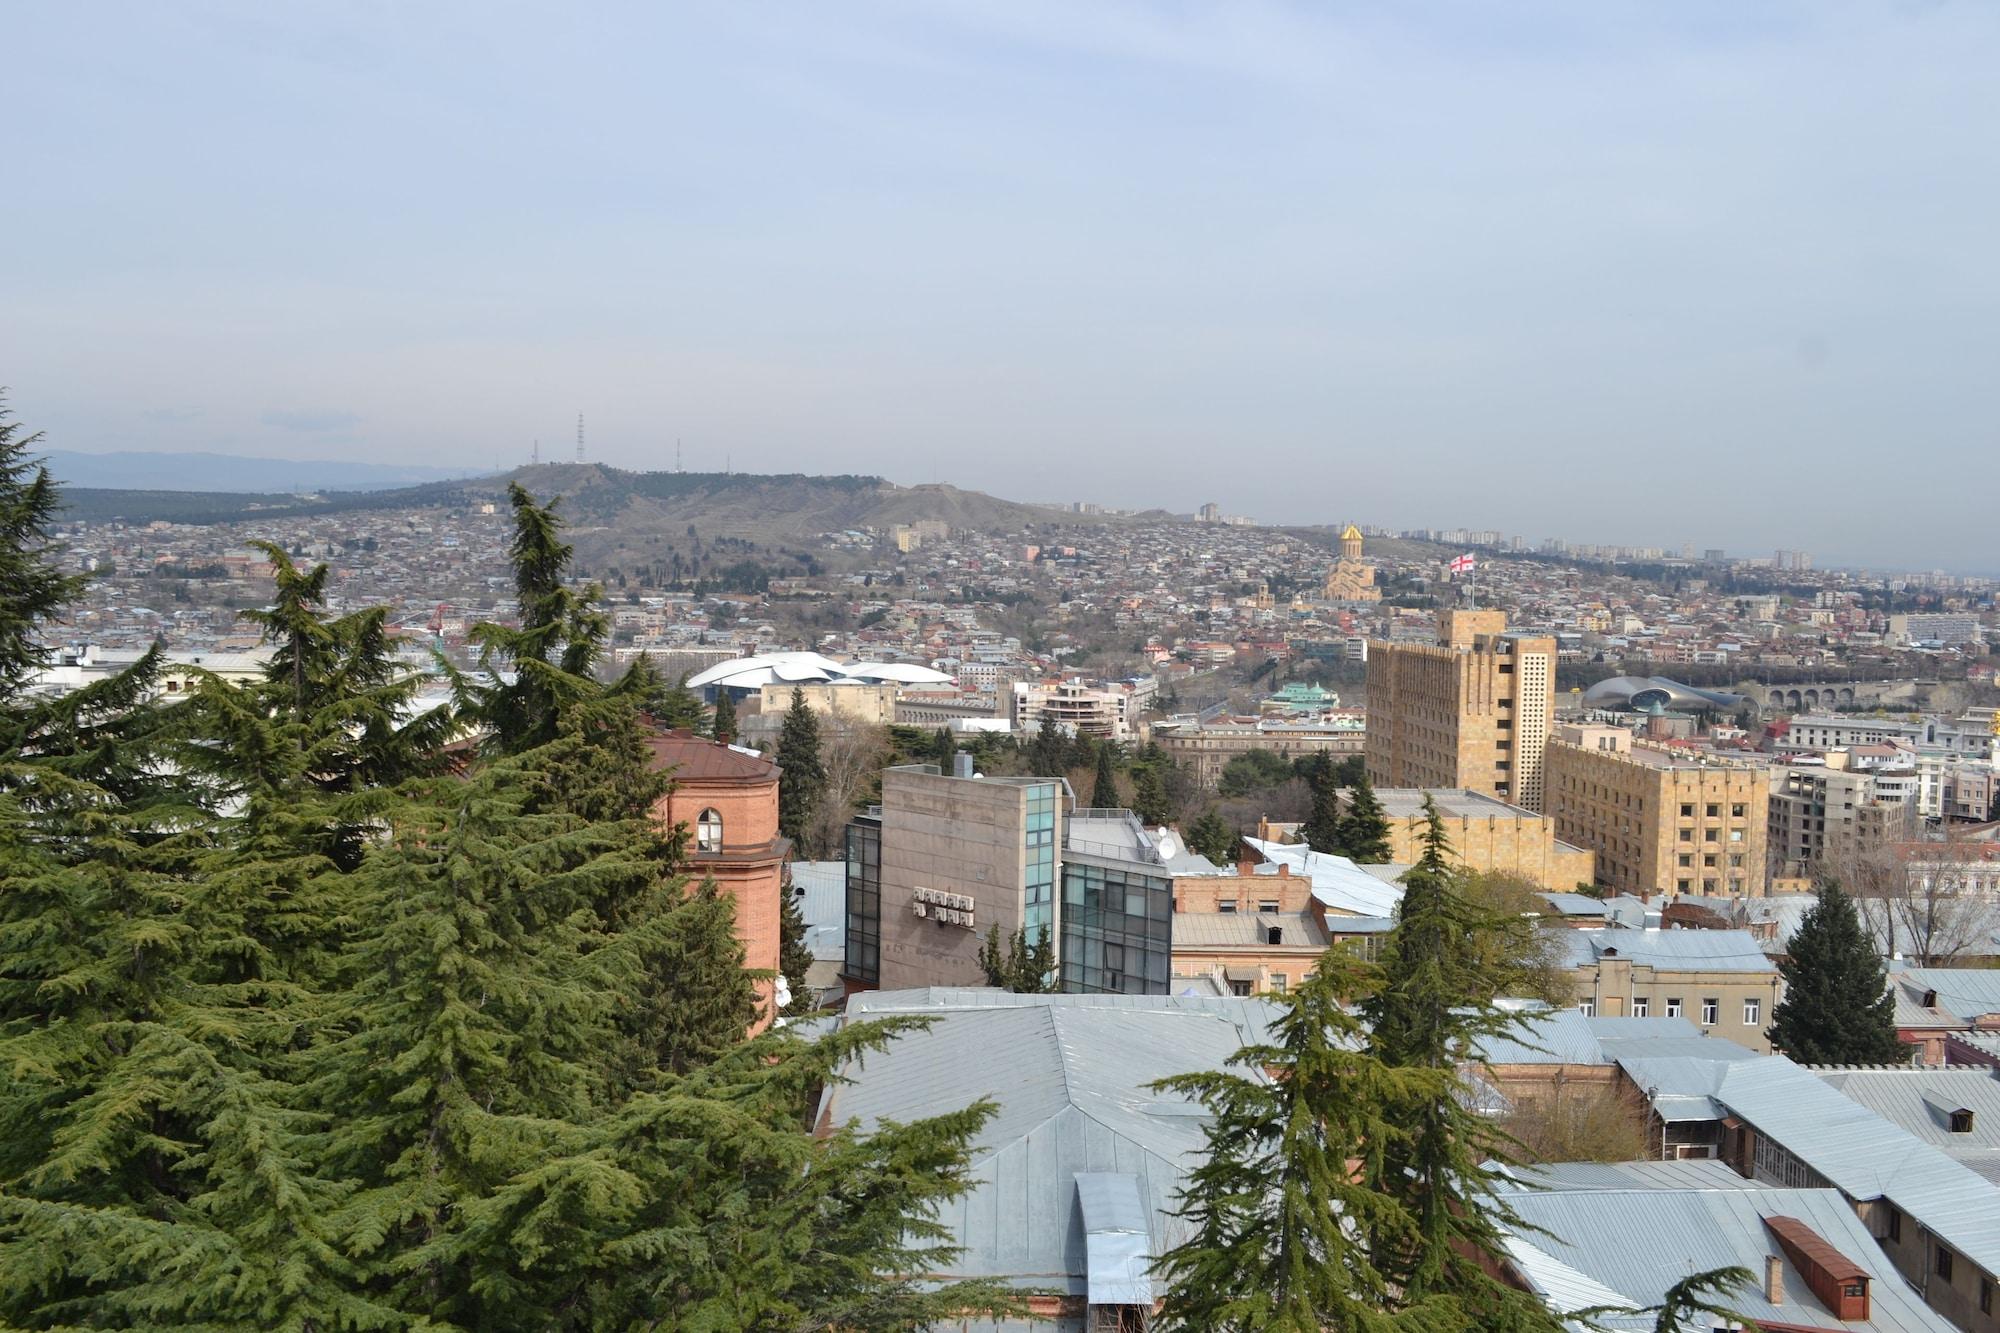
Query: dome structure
x=1652 y=694
x=743 y=674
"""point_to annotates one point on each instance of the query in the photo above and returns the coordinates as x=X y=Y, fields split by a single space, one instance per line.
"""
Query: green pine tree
x=1048 y=752
x=722 y=725
x=944 y=750
x=794 y=958
x=528 y=674
x=1364 y=829
x=1322 y=830
x=1104 y=789
x=1837 y=1008
x=32 y=588
x=1149 y=795
x=1211 y=836
x=1433 y=1010
x=1284 y=1227
x=1020 y=964
x=802 y=785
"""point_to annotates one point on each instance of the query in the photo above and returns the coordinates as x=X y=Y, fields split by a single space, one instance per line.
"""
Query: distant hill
x=615 y=516
x=229 y=474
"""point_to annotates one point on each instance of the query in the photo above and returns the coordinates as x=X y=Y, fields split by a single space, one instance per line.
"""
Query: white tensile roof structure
x=752 y=673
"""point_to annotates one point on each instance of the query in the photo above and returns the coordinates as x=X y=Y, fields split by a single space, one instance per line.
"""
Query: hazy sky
x=1655 y=272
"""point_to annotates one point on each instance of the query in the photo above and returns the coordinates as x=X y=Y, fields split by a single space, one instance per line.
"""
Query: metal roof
x=1248 y=930
x=1670 y=950
x=1117 y=1236
x=1963 y=993
x=1688 y=1227
x=1338 y=882
x=1865 y=1156
x=1922 y=1101
x=1070 y=1077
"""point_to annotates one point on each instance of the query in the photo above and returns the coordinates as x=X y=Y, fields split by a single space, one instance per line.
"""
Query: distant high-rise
x=1473 y=711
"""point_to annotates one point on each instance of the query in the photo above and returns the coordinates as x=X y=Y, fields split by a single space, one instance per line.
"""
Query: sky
x=1713 y=271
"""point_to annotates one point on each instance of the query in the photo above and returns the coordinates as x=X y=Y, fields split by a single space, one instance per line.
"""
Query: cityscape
x=987 y=782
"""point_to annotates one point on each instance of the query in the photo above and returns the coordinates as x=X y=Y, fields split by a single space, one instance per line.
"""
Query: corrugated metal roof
x=1963 y=993
x=1676 y=950
x=1070 y=1074
x=1921 y=1101
x=1866 y=1156
x=1638 y=1241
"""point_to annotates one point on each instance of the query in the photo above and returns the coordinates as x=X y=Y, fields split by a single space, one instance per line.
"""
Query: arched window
x=708 y=832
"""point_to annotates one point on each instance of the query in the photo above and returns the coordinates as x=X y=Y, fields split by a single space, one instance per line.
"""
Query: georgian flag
x=1461 y=564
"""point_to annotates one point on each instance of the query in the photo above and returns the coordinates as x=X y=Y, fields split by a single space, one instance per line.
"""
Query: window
x=1687 y=858
x=1736 y=835
x=1943 y=1266
x=1268 y=905
x=1588 y=1008
x=1225 y=905
x=1753 y=1012
x=1986 y=1295
x=1687 y=835
x=1711 y=811
x=1279 y=981
x=1961 y=1121
x=1687 y=811
x=1895 y=1225
x=1711 y=1009
x=1683 y=885
x=1709 y=835
x=708 y=831
x=1639 y=1004
x=1736 y=811
x=1673 y=1006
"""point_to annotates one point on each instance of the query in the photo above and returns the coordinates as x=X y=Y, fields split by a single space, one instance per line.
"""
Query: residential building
x=1659 y=819
x=1828 y=816
x=1485 y=833
x=1106 y=712
x=1719 y=980
x=1472 y=711
x=726 y=798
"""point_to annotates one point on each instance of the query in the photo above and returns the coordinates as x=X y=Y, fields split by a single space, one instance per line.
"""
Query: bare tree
x=1935 y=902
x=852 y=753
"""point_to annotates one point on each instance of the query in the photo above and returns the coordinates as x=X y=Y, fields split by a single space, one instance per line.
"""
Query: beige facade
x=1658 y=822
x=1485 y=834
x=857 y=702
x=1826 y=816
x=1108 y=712
x=1206 y=751
x=1472 y=711
x=1731 y=1004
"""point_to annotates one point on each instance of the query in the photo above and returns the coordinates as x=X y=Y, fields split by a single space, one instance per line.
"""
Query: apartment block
x=1828 y=816
x=1658 y=820
x=1471 y=711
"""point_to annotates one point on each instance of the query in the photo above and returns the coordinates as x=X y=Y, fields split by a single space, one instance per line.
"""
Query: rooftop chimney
x=1774 y=1279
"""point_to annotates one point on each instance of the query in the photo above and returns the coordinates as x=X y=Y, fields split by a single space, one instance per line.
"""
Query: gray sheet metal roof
x=1248 y=930
x=1591 y=1249
x=822 y=889
x=1070 y=1076
x=1570 y=1037
x=1675 y=950
x=1117 y=1238
x=1866 y=1156
x=1573 y=904
x=1963 y=994
x=1921 y=1101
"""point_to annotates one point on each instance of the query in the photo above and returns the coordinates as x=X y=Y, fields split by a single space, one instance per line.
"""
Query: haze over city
x=1616 y=272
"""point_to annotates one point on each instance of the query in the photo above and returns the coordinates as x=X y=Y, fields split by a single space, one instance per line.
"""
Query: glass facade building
x=864 y=901
x=1117 y=928
x=1038 y=881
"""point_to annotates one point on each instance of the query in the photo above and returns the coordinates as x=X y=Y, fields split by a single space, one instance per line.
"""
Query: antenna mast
x=679 y=468
x=579 y=437
x=535 y=455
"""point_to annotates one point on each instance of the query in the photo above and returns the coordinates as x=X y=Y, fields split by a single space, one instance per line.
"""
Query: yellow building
x=1473 y=711
x=1485 y=834
x=1659 y=821
x=849 y=700
x=1351 y=579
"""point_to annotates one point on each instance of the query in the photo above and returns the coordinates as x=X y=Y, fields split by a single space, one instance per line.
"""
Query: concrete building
x=1206 y=749
x=1106 y=712
x=866 y=701
x=1472 y=711
x=1485 y=833
x=727 y=800
x=940 y=861
x=1659 y=820
x=1829 y=817
x=1719 y=980
x=1117 y=910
